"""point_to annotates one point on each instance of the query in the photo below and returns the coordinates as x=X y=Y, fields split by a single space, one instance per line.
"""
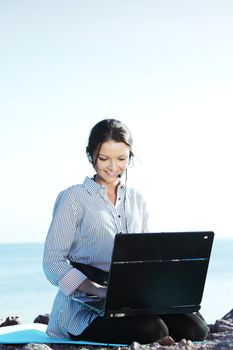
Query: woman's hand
x=102 y=291
x=92 y=288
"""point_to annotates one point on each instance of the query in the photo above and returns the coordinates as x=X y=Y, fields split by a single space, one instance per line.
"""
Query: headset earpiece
x=89 y=157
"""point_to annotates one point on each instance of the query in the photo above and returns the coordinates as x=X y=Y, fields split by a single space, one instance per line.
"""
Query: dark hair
x=108 y=130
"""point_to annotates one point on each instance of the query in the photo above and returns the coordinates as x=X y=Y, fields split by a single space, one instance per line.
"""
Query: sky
x=163 y=67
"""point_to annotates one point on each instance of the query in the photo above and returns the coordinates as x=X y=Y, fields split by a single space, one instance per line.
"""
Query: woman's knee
x=143 y=329
x=196 y=328
x=201 y=331
x=160 y=329
x=188 y=326
x=154 y=328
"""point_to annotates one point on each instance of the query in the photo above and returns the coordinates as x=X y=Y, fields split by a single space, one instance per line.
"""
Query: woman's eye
x=105 y=159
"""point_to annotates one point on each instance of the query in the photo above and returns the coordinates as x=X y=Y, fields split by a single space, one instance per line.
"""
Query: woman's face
x=112 y=161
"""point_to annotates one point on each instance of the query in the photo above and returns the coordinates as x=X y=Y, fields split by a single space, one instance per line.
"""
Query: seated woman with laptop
x=86 y=218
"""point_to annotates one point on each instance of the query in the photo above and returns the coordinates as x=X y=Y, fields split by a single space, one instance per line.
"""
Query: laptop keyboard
x=98 y=304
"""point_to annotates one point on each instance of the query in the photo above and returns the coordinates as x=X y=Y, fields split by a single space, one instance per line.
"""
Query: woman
x=85 y=221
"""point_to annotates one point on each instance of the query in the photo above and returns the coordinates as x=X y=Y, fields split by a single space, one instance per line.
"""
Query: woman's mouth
x=111 y=174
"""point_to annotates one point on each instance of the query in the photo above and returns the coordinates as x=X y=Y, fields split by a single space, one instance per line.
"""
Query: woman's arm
x=57 y=246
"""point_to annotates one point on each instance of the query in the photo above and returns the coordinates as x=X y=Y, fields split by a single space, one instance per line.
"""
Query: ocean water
x=25 y=291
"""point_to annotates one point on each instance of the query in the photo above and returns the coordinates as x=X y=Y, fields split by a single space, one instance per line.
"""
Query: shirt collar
x=93 y=187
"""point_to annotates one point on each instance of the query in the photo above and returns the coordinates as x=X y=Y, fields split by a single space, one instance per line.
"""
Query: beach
x=220 y=337
x=25 y=291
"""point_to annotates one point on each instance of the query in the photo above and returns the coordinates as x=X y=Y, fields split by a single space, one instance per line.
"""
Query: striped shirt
x=83 y=228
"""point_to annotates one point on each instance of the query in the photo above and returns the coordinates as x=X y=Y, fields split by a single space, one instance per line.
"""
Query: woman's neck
x=111 y=188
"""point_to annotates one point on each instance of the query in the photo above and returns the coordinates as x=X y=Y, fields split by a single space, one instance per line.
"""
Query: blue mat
x=36 y=333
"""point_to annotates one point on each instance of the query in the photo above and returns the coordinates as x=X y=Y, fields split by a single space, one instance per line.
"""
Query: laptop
x=155 y=273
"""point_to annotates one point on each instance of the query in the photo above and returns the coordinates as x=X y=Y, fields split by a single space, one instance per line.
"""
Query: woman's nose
x=112 y=164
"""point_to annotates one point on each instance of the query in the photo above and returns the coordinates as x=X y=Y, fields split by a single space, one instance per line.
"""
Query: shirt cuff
x=71 y=281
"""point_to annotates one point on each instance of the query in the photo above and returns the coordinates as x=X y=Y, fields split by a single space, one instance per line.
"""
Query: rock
x=135 y=346
x=228 y=316
x=225 y=324
x=44 y=319
x=36 y=347
x=166 y=341
x=10 y=321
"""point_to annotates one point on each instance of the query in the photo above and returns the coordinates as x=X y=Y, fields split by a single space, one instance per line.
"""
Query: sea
x=25 y=292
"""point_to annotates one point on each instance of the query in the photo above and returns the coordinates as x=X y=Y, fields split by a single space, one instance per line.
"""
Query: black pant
x=145 y=329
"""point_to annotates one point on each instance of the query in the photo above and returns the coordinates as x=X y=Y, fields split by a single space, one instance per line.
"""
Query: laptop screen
x=159 y=271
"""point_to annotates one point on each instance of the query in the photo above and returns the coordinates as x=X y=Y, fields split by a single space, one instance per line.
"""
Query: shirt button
x=119 y=198
x=119 y=216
